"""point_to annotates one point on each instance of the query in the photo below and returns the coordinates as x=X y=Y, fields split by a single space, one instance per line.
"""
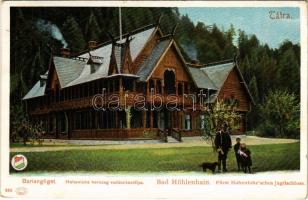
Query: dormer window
x=94 y=62
x=43 y=79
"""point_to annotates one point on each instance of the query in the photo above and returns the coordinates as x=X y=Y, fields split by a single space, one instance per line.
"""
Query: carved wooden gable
x=113 y=64
x=171 y=60
x=146 y=51
x=126 y=69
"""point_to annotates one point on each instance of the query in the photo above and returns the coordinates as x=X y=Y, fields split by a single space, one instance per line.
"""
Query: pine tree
x=289 y=71
x=92 y=29
x=253 y=88
x=73 y=35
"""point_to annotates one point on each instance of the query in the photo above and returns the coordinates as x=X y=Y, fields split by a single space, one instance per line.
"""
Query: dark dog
x=210 y=166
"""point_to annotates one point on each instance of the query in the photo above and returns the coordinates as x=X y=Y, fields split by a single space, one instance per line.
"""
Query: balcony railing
x=125 y=99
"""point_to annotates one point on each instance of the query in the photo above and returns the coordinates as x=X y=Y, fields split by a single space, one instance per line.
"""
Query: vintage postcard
x=154 y=100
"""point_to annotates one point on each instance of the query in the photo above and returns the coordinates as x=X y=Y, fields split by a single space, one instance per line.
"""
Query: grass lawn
x=265 y=158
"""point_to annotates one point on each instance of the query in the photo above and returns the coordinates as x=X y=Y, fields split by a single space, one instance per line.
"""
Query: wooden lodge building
x=146 y=63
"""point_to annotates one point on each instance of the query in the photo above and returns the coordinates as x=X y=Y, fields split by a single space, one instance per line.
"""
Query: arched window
x=169 y=80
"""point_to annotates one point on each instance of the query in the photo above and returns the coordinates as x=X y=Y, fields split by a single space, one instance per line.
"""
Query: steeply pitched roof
x=218 y=73
x=149 y=64
x=76 y=71
x=119 y=55
x=36 y=91
x=68 y=69
x=201 y=79
x=136 y=45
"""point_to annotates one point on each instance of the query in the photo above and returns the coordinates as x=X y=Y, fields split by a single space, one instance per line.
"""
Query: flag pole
x=120 y=23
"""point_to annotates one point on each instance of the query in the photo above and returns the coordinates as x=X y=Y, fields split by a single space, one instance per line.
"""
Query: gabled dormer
x=121 y=60
x=94 y=62
x=126 y=57
x=113 y=69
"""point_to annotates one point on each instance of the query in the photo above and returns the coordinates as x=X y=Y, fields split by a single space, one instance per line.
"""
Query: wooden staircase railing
x=162 y=135
x=176 y=134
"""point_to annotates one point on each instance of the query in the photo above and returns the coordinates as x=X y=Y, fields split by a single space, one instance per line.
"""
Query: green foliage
x=219 y=114
x=266 y=69
x=280 y=115
x=289 y=70
x=216 y=117
x=149 y=134
x=29 y=55
x=253 y=87
x=17 y=118
x=21 y=128
x=73 y=34
x=92 y=29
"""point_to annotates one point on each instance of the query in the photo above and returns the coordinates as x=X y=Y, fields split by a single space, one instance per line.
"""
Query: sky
x=256 y=21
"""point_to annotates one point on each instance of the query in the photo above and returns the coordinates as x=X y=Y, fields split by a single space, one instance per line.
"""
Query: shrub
x=280 y=114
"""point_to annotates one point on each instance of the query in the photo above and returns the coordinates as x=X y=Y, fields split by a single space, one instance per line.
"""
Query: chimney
x=65 y=52
x=92 y=44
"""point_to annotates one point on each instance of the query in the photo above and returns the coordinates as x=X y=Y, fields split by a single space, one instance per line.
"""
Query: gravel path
x=96 y=145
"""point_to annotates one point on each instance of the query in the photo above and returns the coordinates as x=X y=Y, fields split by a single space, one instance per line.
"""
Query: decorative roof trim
x=107 y=77
x=184 y=62
x=245 y=84
x=158 y=62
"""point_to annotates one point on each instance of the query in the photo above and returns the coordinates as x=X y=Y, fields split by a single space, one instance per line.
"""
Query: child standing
x=245 y=157
x=236 y=148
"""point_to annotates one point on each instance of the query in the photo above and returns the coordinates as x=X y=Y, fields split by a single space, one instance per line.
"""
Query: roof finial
x=174 y=29
x=158 y=21
x=235 y=58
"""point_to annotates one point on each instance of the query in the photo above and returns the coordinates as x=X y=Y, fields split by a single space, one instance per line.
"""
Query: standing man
x=223 y=144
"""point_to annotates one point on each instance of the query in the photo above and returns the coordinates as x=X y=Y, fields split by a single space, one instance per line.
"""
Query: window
x=202 y=122
x=187 y=122
x=151 y=85
x=169 y=80
x=158 y=87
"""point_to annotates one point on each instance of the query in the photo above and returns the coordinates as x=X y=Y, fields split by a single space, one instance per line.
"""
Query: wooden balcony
x=124 y=98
